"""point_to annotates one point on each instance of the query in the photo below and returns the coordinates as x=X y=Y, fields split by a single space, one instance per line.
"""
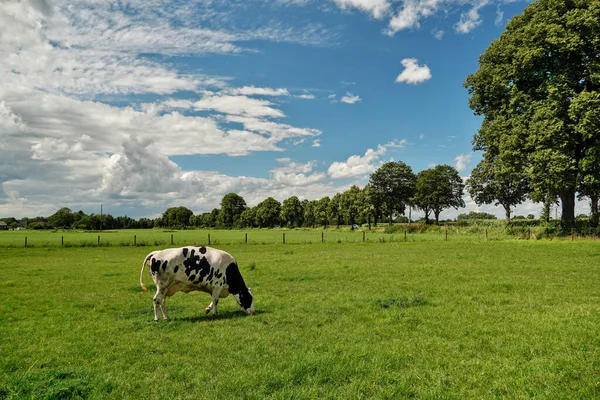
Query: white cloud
x=438 y=34
x=376 y=8
x=306 y=96
x=316 y=143
x=499 y=17
x=413 y=72
x=349 y=98
x=462 y=160
x=296 y=174
x=470 y=20
x=362 y=165
x=276 y=131
x=251 y=90
x=237 y=105
x=410 y=14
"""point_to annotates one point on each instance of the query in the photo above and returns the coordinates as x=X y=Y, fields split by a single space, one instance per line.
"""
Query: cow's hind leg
x=159 y=303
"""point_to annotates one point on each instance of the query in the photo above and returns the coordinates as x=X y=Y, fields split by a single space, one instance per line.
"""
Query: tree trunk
x=595 y=211
x=391 y=213
x=437 y=216
x=507 y=212
x=567 y=199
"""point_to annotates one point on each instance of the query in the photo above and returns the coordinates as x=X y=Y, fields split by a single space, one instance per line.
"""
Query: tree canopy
x=392 y=186
x=438 y=188
x=232 y=206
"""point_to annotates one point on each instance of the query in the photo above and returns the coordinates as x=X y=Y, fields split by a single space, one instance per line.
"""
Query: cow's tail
x=142 y=273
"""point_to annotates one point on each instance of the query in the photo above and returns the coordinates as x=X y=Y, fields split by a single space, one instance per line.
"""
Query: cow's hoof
x=206 y=311
x=155 y=320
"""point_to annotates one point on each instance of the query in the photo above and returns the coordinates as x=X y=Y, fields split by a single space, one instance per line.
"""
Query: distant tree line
x=391 y=189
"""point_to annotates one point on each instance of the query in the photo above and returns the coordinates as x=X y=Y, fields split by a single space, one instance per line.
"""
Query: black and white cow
x=196 y=268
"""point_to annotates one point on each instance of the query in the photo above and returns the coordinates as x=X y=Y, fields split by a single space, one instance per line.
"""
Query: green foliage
x=474 y=215
x=292 y=212
x=436 y=189
x=322 y=211
x=334 y=210
x=500 y=182
x=392 y=187
x=351 y=203
x=63 y=218
x=538 y=88
x=176 y=217
x=268 y=213
x=232 y=206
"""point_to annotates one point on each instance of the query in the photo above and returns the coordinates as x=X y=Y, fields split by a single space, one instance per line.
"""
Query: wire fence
x=163 y=238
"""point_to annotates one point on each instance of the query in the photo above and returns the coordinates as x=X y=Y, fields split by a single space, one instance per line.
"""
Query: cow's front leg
x=207 y=309
x=215 y=300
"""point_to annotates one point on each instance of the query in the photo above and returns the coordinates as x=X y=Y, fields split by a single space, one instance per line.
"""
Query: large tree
x=350 y=205
x=393 y=185
x=268 y=212
x=322 y=211
x=537 y=87
x=334 y=210
x=292 y=212
x=177 y=217
x=232 y=206
x=497 y=182
x=63 y=218
x=438 y=188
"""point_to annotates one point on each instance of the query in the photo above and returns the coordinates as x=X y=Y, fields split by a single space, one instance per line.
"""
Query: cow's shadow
x=221 y=315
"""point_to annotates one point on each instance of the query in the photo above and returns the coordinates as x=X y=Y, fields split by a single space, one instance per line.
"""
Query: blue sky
x=140 y=105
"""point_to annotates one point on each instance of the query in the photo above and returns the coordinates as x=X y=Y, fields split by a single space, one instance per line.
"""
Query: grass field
x=438 y=320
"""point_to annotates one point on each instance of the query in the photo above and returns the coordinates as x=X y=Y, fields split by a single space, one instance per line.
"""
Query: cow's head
x=246 y=301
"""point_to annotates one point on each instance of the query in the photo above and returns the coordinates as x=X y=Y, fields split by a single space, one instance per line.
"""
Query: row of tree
x=64 y=218
x=391 y=189
x=538 y=89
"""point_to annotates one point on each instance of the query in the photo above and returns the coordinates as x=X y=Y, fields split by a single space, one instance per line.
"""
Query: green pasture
x=160 y=237
x=421 y=319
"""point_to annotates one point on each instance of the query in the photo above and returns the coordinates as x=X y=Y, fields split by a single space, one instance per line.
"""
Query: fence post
x=405 y=235
x=25 y=241
x=363 y=236
x=283 y=237
x=62 y=240
x=322 y=237
x=171 y=238
x=486 y=235
x=572 y=234
x=209 y=239
x=528 y=234
x=98 y=240
x=446 y=233
x=246 y=238
x=134 y=240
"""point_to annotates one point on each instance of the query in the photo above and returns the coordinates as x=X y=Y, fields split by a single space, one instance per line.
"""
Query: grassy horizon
x=165 y=237
x=450 y=320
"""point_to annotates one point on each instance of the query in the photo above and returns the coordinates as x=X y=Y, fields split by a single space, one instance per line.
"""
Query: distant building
x=3 y=226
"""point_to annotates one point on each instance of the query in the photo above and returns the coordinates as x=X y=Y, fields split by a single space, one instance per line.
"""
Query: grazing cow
x=196 y=268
